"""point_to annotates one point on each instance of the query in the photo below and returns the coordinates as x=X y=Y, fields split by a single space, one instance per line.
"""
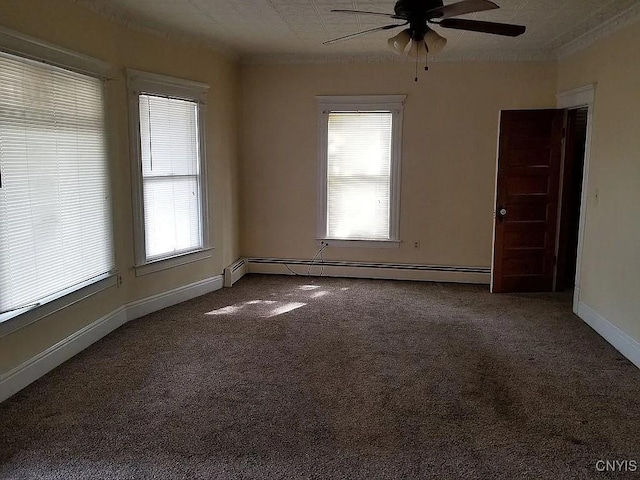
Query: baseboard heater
x=391 y=271
x=235 y=272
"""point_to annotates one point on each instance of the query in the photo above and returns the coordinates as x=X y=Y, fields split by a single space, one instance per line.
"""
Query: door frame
x=573 y=99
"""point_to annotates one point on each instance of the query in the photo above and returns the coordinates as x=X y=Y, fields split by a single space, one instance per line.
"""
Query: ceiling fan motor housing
x=416 y=8
x=415 y=11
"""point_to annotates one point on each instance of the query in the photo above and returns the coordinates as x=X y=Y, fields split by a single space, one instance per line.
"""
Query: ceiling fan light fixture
x=418 y=50
x=419 y=40
x=435 y=42
x=398 y=43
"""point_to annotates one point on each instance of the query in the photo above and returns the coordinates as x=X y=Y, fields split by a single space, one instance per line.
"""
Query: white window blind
x=55 y=220
x=359 y=175
x=170 y=155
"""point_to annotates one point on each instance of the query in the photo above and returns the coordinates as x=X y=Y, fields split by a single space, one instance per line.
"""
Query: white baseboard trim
x=384 y=271
x=28 y=372
x=235 y=272
x=157 y=302
x=625 y=344
x=16 y=379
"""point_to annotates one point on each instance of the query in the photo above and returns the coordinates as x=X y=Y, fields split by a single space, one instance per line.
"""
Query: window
x=169 y=170
x=55 y=215
x=359 y=190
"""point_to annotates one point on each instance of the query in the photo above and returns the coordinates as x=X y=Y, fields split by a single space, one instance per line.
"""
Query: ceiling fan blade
x=506 y=29
x=461 y=8
x=371 y=30
x=361 y=12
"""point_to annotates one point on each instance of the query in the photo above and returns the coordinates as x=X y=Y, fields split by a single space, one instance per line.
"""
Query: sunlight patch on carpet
x=230 y=310
x=258 y=308
x=287 y=307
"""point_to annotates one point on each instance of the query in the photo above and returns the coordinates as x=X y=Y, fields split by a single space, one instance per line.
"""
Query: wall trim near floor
x=386 y=271
x=157 y=302
x=624 y=343
x=28 y=372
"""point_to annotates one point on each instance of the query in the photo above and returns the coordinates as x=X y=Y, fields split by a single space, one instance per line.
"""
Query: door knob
x=501 y=212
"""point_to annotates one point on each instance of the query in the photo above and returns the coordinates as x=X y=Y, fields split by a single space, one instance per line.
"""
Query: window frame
x=145 y=83
x=36 y=50
x=360 y=103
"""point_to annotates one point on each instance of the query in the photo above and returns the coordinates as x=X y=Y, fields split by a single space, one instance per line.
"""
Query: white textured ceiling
x=297 y=28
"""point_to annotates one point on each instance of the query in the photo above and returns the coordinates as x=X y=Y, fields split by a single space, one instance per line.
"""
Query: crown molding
x=102 y=8
x=311 y=58
x=494 y=56
x=625 y=18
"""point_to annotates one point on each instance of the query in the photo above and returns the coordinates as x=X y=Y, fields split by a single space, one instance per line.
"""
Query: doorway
x=571 y=198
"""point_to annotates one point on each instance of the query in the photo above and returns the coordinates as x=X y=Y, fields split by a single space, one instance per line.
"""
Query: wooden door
x=526 y=217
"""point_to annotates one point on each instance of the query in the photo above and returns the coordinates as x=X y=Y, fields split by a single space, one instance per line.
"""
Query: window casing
x=55 y=202
x=360 y=142
x=168 y=170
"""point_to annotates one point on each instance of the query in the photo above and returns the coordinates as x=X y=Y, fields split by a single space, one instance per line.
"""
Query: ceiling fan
x=418 y=14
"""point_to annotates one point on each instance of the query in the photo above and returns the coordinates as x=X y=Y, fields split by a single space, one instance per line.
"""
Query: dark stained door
x=529 y=158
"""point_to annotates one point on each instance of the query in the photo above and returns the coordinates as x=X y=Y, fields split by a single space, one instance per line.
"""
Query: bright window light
x=359 y=175
x=170 y=156
x=55 y=215
x=359 y=164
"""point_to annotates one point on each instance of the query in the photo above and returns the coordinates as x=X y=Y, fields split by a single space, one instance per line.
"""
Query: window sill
x=10 y=322
x=171 y=262
x=331 y=242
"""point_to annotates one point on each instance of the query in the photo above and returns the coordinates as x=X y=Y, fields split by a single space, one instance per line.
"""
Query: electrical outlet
x=596 y=196
x=416 y=245
x=119 y=280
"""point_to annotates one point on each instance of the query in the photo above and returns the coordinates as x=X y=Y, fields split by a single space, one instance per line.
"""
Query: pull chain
x=426 y=61
x=426 y=58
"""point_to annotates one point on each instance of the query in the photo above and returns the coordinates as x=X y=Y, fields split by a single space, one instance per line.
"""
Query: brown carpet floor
x=296 y=377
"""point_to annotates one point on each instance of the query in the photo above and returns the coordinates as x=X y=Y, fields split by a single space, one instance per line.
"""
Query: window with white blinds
x=170 y=158
x=359 y=170
x=167 y=115
x=359 y=175
x=55 y=217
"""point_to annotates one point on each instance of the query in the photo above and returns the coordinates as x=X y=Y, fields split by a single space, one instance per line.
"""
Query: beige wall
x=62 y=23
x=610 y=279
x=448 y=162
